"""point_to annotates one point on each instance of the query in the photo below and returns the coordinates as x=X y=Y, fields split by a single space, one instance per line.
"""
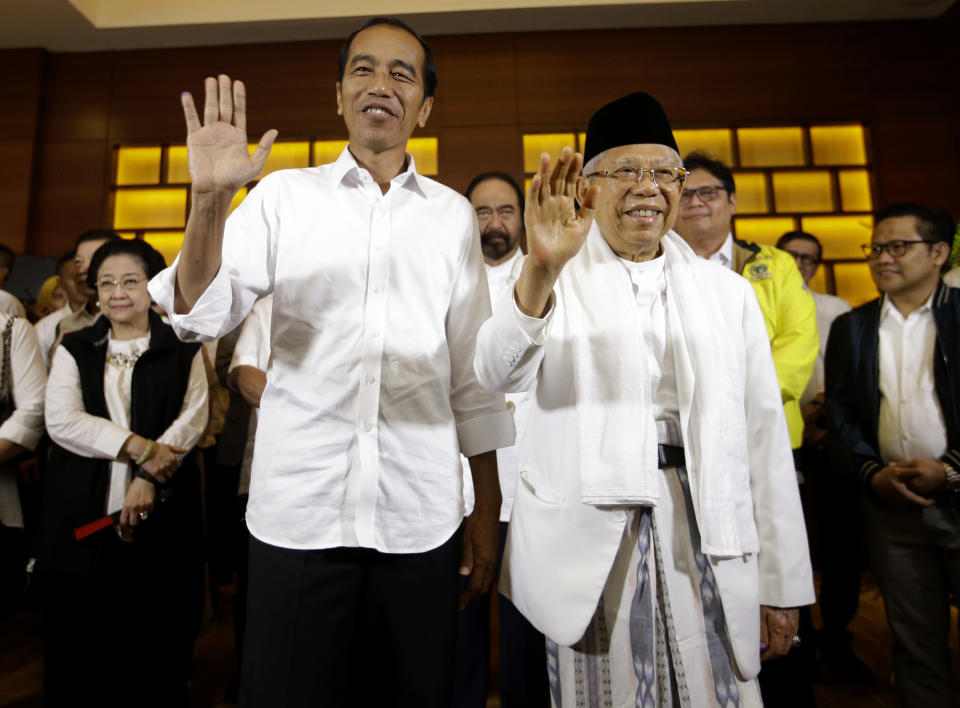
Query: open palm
x=556 y=229
x=217 y=151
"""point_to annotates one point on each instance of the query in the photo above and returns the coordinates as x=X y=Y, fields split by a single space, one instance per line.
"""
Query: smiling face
x=917 y=271
x=126 y=303
x=499 y=217
x=705 y=224
x=381 y=95
x=633 y=216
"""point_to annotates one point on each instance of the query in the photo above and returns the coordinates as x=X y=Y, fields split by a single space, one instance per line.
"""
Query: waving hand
x=217 y=149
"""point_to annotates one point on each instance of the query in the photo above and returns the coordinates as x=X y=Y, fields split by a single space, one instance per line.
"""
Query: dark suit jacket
x=852 y=388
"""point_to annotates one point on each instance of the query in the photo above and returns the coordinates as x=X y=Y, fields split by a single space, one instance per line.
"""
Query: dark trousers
x=523 y=656
x=350 y=627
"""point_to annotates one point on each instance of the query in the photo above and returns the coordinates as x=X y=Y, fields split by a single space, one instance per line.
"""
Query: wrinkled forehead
x=653 y=154
x=494 y=192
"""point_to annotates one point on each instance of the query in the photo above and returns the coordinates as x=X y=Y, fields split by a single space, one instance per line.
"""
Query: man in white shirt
x=356 y=495
x=9 y=303
x=498 y=201
x=76 y=300
x=22 y=380
x=656 y=536
x=892 y=408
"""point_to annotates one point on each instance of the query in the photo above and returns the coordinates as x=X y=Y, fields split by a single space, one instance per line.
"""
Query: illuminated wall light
x=581 y=142
x=752 y=195
x=715 y=142
x=168 y=243
x=841 y=236
x=327 y=151
x=838 y=145
x=770 y=147
x=424 y=152
x=854 y=283
x=138 y=165
x=550 y=143
x=803 y=191
x=178 y=171
x=764 y=229
x=150 y=208
x=855 y=190
x=284 y=156
x=237 y=198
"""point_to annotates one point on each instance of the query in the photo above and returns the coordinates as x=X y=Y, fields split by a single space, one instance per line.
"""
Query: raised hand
x=218 y=156
x=556 y=229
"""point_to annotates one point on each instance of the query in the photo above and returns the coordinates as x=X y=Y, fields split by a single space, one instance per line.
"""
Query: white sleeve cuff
x=110 y=439
x=206 y=320
x=487 y=432
x=14 y=432
x=534 y=328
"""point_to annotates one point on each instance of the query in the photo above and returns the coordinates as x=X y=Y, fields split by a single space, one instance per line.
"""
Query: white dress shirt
x=89 y=435
x=724 y=254
x=25 y=425
x=253 y=349
x=371 y=394
x=10 y=305
x=829 y=308
x=47 y=331
x=911 y=422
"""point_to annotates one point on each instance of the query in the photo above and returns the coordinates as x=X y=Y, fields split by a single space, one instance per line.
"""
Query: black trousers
x=523 y=654
x=350 y=627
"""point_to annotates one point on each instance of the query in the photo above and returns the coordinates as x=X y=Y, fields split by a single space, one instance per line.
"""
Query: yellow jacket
x=791 y=318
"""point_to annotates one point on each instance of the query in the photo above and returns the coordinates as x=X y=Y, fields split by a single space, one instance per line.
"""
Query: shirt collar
x=888 y=308
x=346 y=167
x=724 y=255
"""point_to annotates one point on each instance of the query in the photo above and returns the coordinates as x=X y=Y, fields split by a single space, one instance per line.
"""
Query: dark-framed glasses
x=665 y=177
x=706 y=193
x=803 y=258
x=128 y=284
x=895 y=248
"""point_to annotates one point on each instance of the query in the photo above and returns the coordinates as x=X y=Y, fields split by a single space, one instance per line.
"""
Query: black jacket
x=75 y=487
x=852 y=383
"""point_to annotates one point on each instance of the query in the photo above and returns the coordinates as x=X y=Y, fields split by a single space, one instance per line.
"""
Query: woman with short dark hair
x=126 y=401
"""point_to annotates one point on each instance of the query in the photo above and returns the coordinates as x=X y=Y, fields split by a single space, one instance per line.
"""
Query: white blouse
x=85 y=434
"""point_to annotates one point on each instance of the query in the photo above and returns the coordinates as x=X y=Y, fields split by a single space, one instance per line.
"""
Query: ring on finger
x=795 y=641
x=144 y=515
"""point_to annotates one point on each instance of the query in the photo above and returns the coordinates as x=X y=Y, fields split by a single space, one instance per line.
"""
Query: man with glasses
x=707 y=206
x=893 y=410
x=656 y=537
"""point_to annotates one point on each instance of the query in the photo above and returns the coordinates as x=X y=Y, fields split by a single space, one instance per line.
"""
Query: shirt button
x=371 y=379
x=376 y=288
x=367 y=427
x=375 y=333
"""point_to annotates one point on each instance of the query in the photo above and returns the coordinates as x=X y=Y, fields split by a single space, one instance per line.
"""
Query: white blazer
x=560 y=551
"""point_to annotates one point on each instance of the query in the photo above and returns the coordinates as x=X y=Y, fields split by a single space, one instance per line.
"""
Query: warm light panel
x=854 y=283
x=138 y=165
x=178 y=172
x=819 y=281
x=770 y=147
x=237 y=198
x=581 y=142
x=424 y=152
x=802 y=191
x=150 y=208
x=838 y=145
x=855 y=190
x=764 y=229
x=327 y=151
x=550 y=143
x=751 y=193
x=284 y=156
x=168 y=243
x=715 y=142
x=840 y=236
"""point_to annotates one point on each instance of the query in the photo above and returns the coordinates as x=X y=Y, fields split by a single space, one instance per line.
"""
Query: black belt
x=670 y=456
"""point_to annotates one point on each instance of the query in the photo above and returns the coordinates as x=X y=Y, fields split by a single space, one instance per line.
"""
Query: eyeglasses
x=706 y=194
x=895 y=248
x=803 y=258
x=662 y=177
x=127 y=284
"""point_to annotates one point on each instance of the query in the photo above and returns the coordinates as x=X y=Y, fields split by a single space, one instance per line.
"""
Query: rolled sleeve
x=25 y=425
x=485 y=433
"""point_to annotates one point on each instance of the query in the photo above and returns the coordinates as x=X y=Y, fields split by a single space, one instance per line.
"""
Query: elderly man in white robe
x=657 y=538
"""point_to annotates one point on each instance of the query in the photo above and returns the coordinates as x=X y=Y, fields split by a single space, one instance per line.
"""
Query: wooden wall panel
x=70 y=196
x=466 y=152
x=477 y=80
x=76 y=100
x=16 y=156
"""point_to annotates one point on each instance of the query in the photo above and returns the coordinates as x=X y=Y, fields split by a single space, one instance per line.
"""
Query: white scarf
x=618 y=463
